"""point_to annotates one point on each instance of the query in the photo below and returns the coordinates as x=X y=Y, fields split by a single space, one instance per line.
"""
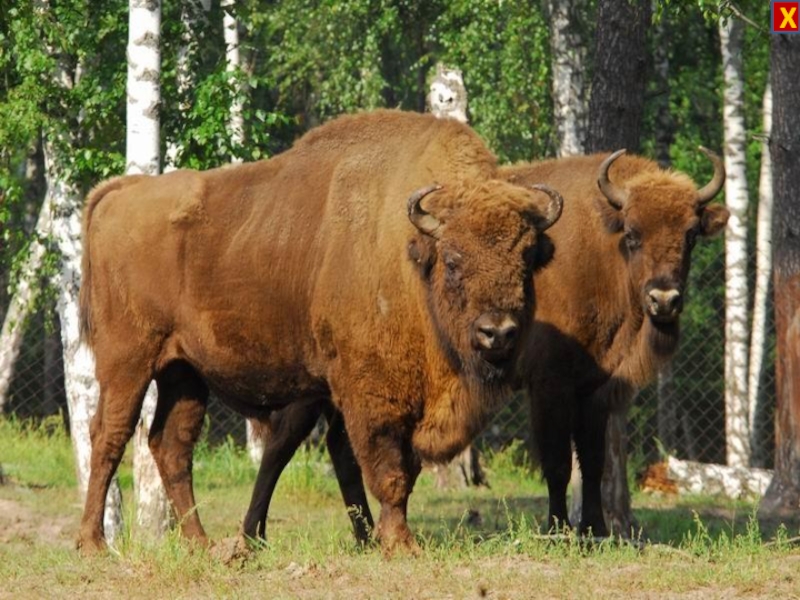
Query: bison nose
x=495 y=333
x=664 y=303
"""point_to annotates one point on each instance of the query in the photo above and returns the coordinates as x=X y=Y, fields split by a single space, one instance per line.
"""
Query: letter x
x=788 y=17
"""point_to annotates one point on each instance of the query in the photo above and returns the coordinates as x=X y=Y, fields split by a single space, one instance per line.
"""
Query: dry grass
x=705 y=548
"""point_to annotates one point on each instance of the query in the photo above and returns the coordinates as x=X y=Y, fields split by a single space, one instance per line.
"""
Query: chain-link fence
x=683 y=412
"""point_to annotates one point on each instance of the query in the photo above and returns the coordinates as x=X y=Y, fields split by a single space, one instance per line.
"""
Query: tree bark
x=616 y=107
x=758 y=334
x=784 y=490
x=616 y=104
x=143 y=157
x=569 y=49
x=737 y=427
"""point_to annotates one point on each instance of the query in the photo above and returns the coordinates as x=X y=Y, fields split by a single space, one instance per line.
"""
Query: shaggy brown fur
x=300 y=278
x=594 y=342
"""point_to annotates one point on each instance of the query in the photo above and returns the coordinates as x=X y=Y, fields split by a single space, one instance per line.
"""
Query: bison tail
x=85 y=296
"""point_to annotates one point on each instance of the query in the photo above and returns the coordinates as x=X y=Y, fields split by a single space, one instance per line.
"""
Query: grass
x=704 y=547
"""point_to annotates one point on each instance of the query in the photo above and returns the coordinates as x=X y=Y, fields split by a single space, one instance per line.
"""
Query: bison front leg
x=551 y=417
x=590 y=437
x=182 y=398
x=390 y=468
x=348 y=474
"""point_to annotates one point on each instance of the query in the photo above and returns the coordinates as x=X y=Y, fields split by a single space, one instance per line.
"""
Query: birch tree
x=737 y=434
x=143 y=157
x=233 y=65
x=783 y=493
x=569 y=49
x=758 y=332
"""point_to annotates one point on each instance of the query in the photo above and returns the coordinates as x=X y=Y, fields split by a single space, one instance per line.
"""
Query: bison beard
x=295 y=283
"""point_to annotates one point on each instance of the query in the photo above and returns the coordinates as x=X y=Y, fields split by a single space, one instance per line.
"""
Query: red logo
x=786 y=17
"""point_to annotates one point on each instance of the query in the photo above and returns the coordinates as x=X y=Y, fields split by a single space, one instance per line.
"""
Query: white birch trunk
x=20 y=306
x=737 y=427
x=190 y=17
x=83 y=393
x=142 y=156
x=568 y=49
x=233 y=66
x=763 y=273
x=144 y=92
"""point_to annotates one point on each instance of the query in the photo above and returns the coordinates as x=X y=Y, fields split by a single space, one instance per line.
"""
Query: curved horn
x=424 y=221
x=616 y=196
x=713 y=187
x=554 y=208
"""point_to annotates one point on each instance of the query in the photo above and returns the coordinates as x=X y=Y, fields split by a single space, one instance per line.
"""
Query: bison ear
x=544 y=250
x=421 y=252
x=611 y=217
x=713 y=219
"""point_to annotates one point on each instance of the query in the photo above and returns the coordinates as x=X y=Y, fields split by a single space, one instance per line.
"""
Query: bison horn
x=554 y=208
x=713 y=187
x=424 y=221
x=616 y=196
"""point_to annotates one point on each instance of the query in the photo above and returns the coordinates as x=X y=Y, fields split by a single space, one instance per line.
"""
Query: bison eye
x=633 y=239
x=452 y=262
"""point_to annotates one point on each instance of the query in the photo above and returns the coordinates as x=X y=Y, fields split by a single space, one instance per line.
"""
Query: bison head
x=476 y=247
x=660 y=214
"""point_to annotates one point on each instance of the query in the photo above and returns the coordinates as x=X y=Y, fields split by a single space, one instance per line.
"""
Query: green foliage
x=503 y=51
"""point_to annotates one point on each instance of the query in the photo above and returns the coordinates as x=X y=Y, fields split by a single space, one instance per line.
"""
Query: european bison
x=608 y=303
x=380 y=263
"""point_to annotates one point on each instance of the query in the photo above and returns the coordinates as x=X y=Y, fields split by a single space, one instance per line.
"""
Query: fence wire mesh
x=683 y=412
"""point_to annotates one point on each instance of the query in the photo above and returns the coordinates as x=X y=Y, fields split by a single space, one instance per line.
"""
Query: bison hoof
x=90 y=546
x=404 y=545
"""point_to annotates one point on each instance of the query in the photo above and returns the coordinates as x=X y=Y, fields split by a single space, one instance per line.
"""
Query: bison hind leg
x=288 y=427
x=178 y=421
x=123 y=385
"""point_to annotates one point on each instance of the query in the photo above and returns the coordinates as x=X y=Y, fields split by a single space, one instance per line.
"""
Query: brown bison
x=380 y=263
x=608 y=303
